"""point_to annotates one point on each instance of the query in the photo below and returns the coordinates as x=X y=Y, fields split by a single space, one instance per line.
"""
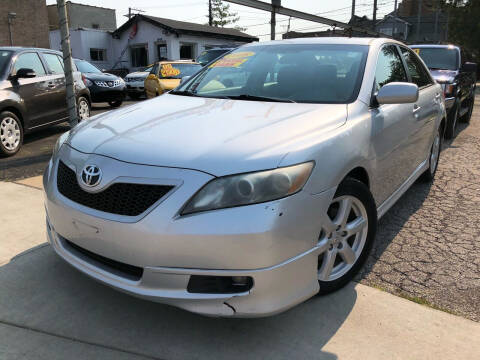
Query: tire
x=115 y=103
x=466 y=118
x=434 y=157
x=335 y=240
x=452 y=122
x=11 y=134
x=83 y=108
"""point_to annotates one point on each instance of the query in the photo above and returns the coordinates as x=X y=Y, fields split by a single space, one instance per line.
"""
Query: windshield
x=5 y=56
x=209 y=55
x=302 y=73
x=177 y=71
x=439 y=58
x=85 y=67
x=148 y=69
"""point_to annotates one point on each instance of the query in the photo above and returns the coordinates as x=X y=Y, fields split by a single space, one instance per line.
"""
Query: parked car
x=33 y=94
x=451 y=68
x=103 y=87
x=209 y=55
x=166 y=75
x=135 y=82
x=245 y=200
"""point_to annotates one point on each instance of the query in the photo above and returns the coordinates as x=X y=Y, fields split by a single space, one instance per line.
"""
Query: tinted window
x=29 y=61
x=389 y=67
x=4 y=59
x=53 y=63
x=177 y=71
x=439 y=58
x=209 y=55
x=417 y=71
x=85 y=67
x=310 y=73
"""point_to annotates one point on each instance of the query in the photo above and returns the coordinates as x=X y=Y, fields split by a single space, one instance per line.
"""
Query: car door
x=57 y=86
x=426 y=109
x=33 y=91
x=392 y=126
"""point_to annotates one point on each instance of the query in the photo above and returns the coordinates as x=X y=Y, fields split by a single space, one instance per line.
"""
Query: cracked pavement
x=428 y=244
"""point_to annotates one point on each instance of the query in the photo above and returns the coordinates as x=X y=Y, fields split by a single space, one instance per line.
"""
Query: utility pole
x=395 y=20
x=374 y=13
x=67 y=63
x=275 y=4
x=419 y=19
x=353 y=9
x=10 y=17
x=210 y=15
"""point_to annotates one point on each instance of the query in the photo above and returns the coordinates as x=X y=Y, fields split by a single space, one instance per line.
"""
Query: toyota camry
x=254 y=185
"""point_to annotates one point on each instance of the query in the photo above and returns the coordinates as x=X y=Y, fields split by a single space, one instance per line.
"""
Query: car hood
x=100 y=77
x=217 y=136
x=444 y=76
x=137 y=74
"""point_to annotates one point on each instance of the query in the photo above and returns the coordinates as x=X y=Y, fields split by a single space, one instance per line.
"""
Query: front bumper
x=135 y=87
x=273 y=243
x=449 y=103
x=102 y=94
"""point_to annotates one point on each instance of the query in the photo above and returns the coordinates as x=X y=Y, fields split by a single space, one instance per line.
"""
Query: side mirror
x=25 y=73
x=397 y=93
x=469 y=67
x=184 y=79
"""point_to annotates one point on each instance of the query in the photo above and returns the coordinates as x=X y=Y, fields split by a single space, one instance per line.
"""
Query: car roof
x=21 y=48
x=438 y=46
x=177 y=62
x=327 y=41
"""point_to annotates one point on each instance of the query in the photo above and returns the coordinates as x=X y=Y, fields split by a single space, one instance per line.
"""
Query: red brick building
x=28 y=23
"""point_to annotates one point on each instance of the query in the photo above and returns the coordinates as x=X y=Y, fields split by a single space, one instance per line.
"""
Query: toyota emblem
x=91 y=175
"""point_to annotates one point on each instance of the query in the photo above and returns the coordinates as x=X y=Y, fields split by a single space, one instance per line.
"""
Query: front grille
x=120 y=198
x=130 y=272
x=109 y=83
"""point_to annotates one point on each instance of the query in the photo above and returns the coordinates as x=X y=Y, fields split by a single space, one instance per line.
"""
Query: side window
x=154 y=70
x=54 y=64
x=389 y=67
x=417 y=71
x=29 y=61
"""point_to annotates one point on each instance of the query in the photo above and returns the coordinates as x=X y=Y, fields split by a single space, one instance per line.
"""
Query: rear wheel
x=83 y=109
x=429 y=174
x=347 y=236
x=115 y=103
x=471 y=102
x=11 y=134
x=452 y=122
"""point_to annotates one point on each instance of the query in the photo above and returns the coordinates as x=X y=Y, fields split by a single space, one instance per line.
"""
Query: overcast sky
x=256 y=21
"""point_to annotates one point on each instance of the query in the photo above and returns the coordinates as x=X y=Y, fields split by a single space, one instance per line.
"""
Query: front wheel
x=115 y=103
x=347 y=235
x=11 y=134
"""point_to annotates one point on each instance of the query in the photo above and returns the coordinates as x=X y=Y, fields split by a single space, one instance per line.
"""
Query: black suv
x=103 y=87
x=33 y=94
x=450 y=67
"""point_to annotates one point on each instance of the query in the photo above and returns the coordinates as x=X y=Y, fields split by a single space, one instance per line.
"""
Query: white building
x=145 y=39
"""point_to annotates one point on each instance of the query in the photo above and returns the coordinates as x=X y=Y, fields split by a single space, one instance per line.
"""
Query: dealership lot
x=427 y=249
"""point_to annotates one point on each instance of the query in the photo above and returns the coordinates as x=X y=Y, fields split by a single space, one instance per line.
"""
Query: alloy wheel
x=10 y=133
x=434 y=154
x=83 y=110
x=343 y=237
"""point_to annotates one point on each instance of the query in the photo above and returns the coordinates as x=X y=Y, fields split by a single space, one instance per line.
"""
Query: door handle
x=416 y=108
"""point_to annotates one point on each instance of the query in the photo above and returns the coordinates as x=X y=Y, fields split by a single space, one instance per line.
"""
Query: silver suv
x=254 y=185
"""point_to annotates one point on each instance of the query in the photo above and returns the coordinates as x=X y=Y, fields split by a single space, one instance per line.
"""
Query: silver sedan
x=253 y=186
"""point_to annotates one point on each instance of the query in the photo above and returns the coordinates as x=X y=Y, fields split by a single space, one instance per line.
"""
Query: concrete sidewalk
x=48 y=310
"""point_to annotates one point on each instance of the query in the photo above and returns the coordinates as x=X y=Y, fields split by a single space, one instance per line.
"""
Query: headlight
x=448 y=89
x=251 y=188
x=59 y=143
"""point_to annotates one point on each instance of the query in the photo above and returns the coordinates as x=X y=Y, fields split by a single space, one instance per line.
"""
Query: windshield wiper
x=183 y=92
x=258 y=98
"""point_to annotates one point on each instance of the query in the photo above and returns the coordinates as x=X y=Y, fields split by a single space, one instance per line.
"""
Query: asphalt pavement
x=37 y=148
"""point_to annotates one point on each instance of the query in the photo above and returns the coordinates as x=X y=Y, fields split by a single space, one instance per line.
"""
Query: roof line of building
x=75 y=3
